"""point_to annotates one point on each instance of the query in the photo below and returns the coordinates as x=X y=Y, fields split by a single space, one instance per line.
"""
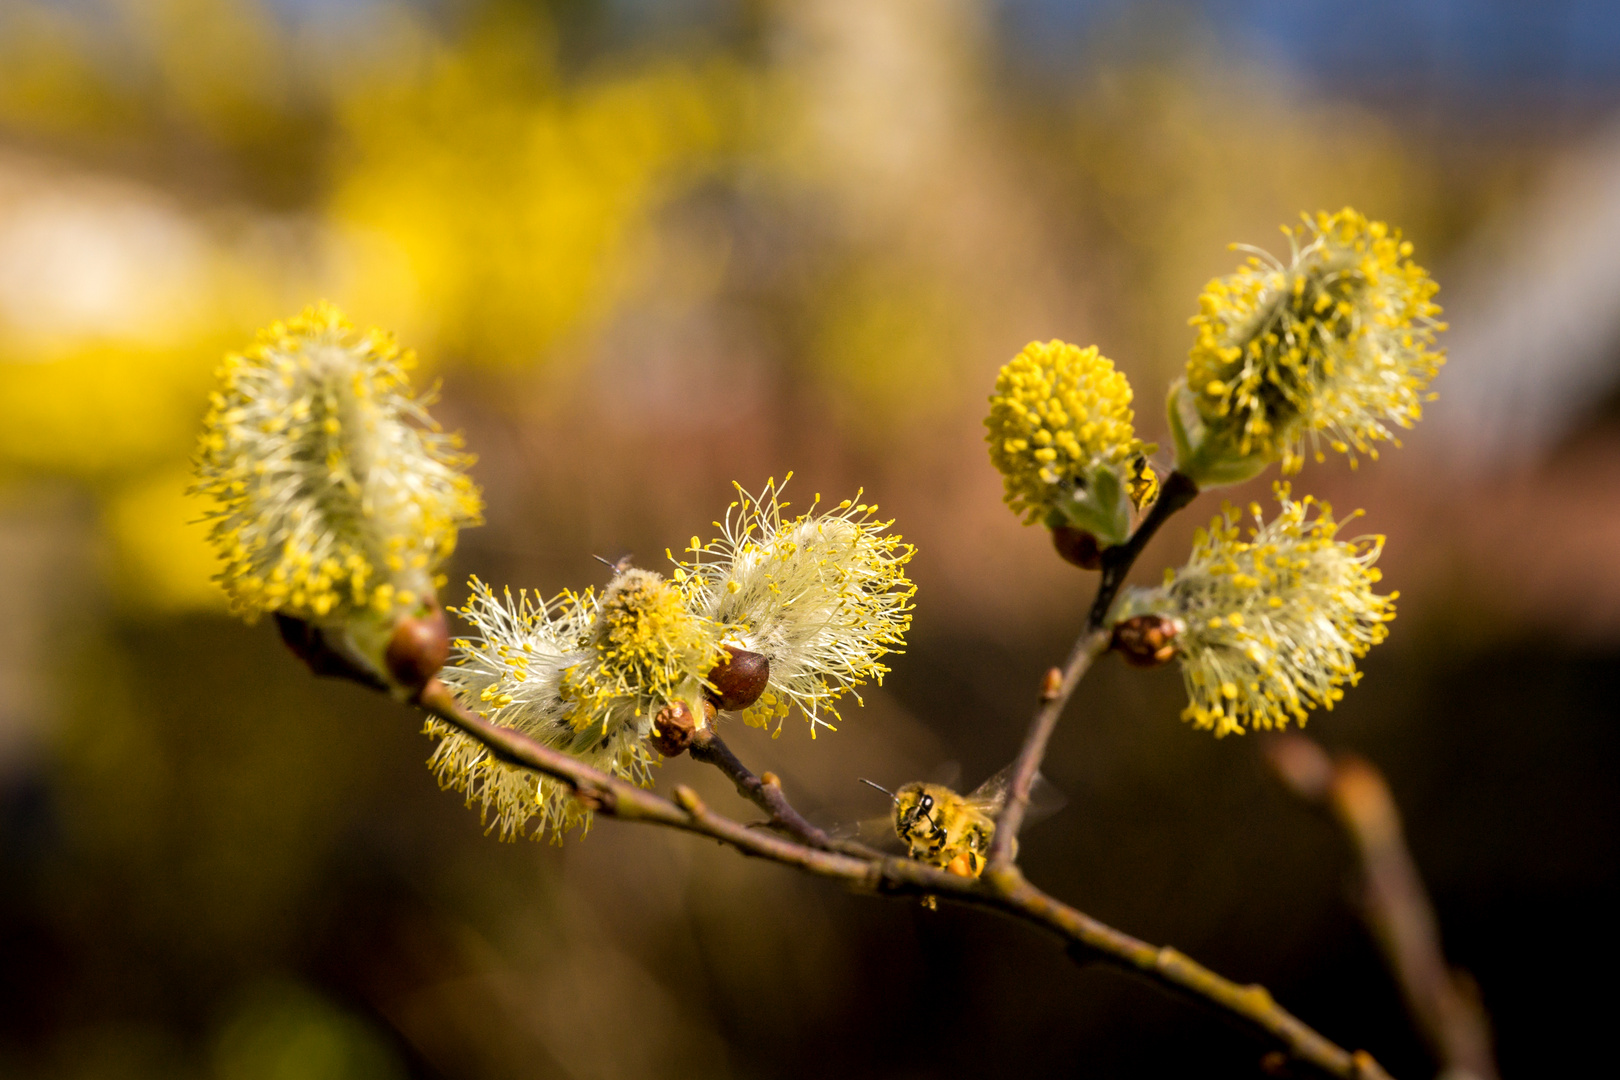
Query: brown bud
x=1052 y=684
x=419 y=648
x=673 y=729
x=738 y=680
x=1145 y=640
x=1276 y=1064
x=1365 y=1064
x=1077 y=546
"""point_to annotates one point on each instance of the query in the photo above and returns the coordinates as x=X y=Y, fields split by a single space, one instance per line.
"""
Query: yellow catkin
x=647 y=647
x=1271 y=618
x=822 y=596
x=513 y=669
x=1333 y=348
x=334 y=494
x=1058 y=413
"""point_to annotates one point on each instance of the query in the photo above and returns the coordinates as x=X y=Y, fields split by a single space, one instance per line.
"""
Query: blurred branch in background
x=1444 y=1002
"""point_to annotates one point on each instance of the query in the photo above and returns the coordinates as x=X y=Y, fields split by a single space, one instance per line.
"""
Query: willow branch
x=1054 y=696
x=1008 y=892
x=1443 y=1003
x=1176 y=493
x=765 y=791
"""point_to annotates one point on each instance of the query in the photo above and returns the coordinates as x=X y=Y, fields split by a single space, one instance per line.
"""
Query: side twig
x=1444 y=1003
x=765 y=791
x=891 y=876
x=1176 y=493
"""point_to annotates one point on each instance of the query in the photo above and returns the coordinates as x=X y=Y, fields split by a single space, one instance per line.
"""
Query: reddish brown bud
x=419 y=648
x=1145 y=640
x=739 y=680
x=1052 y=684
x=1077 y=546
x=673 y=729
x=1276 y=1064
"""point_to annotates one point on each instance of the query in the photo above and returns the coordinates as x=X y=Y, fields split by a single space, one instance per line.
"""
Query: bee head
x=914 y=805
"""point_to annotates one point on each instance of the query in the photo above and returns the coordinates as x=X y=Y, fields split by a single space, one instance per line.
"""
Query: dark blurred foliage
x=650 y=249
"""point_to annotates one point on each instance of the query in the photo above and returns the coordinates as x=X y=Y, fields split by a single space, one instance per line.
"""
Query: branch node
x=1168 y=957
x=1004 y=880
x=893 y=876
x=1259 y=997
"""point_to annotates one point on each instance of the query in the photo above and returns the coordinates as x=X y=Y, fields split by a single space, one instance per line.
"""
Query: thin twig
x=1004 y=845
x=1176 y=493
x=766 y=792
x=1443 y=1002
x=1009 y=893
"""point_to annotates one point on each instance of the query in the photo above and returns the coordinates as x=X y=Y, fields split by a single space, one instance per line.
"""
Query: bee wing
x=869 y=820
x=877 y=832
x=991 y=795
x=947 y=774
x=1044 y=799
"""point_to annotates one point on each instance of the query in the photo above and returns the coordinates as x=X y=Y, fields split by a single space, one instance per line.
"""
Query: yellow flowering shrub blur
x=492 y=209
x=161 y=556
x=459 y=189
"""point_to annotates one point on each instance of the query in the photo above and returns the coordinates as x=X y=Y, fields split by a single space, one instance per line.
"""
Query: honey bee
x=619 y=565
x=1141 y=482
x=951 y=831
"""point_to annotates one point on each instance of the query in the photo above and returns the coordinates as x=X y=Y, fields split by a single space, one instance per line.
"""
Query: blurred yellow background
x=648 y=249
